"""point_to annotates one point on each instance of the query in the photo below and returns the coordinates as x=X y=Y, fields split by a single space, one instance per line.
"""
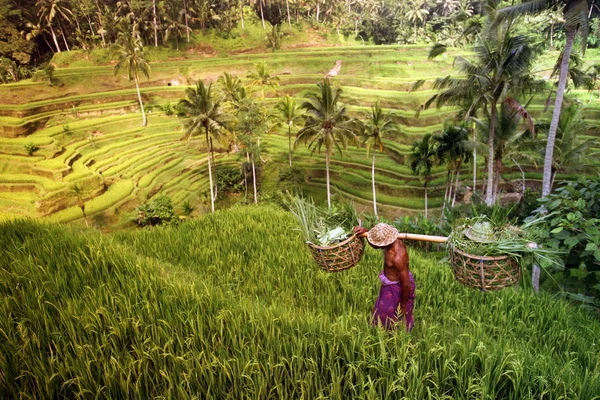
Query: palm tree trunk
x=210 y=177
x=62 y=31
x=155 y=24
x=254 y=180
x=214 y=164
x=242 y=13
x=489 y=192
x=187 y=28
x=54 y=38
x=287 y=4
x=262 y=16
x=560 y=91
x=290 y=144
x=456 y=185
x=137 y=86
x=327 y=179
x=426 y=179
x=374 y=191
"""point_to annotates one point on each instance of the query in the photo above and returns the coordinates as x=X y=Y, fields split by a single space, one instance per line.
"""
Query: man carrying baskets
x=397 y=294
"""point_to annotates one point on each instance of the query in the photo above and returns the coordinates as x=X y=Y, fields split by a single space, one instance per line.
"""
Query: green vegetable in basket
x=323 y=226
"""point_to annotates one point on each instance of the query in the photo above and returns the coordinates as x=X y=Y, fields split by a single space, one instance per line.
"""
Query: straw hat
x=481 y=232
x=382 y=235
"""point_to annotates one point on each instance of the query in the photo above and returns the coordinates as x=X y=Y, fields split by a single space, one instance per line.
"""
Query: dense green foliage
x=571 y=226
x=231 y=305
x=158 y=211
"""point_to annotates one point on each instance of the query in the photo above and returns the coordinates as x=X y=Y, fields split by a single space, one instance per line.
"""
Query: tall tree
x=130 y=53
x=454 y=148
x=417 y=13
x=49 y=12
x=203 y=114
x=502 y=66
x=287 y=112
x=326 y=125
x=576 y=21
x=422 y=159
x=512 y=141
x=377 y=124
x=571 y=153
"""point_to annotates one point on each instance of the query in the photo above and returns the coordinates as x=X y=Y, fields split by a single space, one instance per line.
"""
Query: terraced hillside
x=78 y=145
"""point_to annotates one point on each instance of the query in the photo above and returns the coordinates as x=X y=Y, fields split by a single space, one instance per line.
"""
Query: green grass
x=232 y=306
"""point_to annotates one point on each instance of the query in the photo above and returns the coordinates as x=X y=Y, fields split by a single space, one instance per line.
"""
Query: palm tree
x=287 y=112
x=376 y=125
x=502 y=67
x=326 y=125
x=230 y=86
x=130 y=53
x=251 y=118
x=510 y=142
x=173 y=22
x=50 y=11
x=263 y=76
x=576 y=21
x=422 y=159
x=417 y=13
x=453 y=147
x=571 y=153
x=203 y=113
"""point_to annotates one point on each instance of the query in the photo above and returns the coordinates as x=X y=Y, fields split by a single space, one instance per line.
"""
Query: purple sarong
x=385 y=313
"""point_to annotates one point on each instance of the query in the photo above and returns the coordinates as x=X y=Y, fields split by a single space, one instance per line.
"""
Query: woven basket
x=340 y=256
x=484 y=272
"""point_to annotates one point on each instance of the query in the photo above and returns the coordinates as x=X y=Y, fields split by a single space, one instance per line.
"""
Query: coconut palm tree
x=263 y=76
x=575 y=14
x=422 y=158
x=130 y=53
x=230 y=86
x=453 y=147
x=49 y=12
x=511 y=142
x=417 y=13
x=203 y=114
x=326 y=125
x=287 y=112
x=377 y=124
x=571 y=153
x=502 y=67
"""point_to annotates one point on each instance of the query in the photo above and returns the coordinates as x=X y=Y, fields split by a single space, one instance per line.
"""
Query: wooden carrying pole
x=414 y=236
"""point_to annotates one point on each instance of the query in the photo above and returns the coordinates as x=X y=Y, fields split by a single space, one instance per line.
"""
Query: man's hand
x=359 y=230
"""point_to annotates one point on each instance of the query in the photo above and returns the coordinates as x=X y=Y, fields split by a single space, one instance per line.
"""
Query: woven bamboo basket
x=340 y=256
x=485 y=272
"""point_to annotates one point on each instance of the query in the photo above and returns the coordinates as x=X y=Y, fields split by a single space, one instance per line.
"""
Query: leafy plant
x=229 y=179
x=31 y=148
x=569 y=224
x=187 y=208
x=159 y=211
x=323 y=226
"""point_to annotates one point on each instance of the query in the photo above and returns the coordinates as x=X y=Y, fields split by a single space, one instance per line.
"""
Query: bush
x=570 y=224
x=157 y=212
x=290 y=177
x=229 y=179
x=31 y=148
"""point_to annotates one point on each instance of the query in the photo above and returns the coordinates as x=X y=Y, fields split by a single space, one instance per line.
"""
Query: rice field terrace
x=231 y=305
x=85 y=130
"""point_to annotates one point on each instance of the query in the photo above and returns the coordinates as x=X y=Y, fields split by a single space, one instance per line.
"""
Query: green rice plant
x=167 y=313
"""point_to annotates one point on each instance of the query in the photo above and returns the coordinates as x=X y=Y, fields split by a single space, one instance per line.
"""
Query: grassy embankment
x=230 y=305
